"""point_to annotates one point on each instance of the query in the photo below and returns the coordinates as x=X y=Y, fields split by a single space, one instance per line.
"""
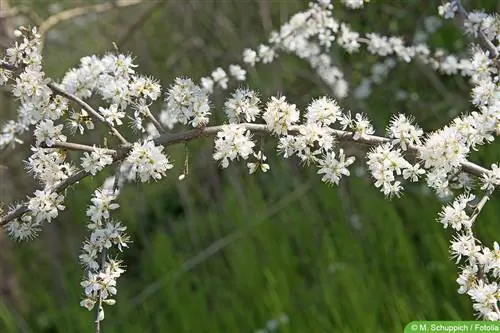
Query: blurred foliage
x=223 y=251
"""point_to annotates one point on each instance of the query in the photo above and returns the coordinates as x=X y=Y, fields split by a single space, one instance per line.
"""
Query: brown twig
x=78 y=146
x=58 y=90
x=72 y=13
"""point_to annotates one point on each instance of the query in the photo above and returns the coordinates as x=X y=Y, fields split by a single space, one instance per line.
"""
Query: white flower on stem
x=242 y=106
x=145 y=87
x=88 y=303
x=108 y=283
x=463 y=245
x=485 y=295
x=102 y=204
x=266 y=54
x=455 y=215
x=379 y=45
x=490 y=260
x=324 y=111
x=112 y=114
x=148 y=161
x=208 y=84
x=237 y=72
x=186 y=102
x=250 y=57
x=89 y=256
x=259 y=164
x=467 y=278
x=447 y=10
x=232 y=141
x=96 y=160
x=491 y=179
x=385 y=163
x=47 y=133
x=353 y=4
x=24 y=228
x=45 y=205
x=333 y=169
x=9 y=133
x=360 y=125
x=116 y=233
x=444 y=149
x=312 y=141
x=120 y=65
x=413 y=172
x=79 y=121
x=348 y=39
x=220 y=77
x=403 y=131
x=92 y=285
x=48 y=165
x=280 y=116
x=115 y=89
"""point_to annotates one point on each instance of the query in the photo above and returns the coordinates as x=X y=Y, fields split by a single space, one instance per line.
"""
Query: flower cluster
x=148 y=161
x=102 y=271
x=96 y=160
x=186 y=103
x=232 y=141
x=280 y=115
x=49 y=166
x=242 y=106
x=482 y=265
x=45 y=205
x=386 y=163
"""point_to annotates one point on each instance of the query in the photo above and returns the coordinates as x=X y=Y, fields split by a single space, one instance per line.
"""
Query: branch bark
x=182 y=137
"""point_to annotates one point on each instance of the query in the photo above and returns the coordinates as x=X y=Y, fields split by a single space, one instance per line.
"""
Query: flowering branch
x=461 y=17
x=176 y=138
x=406 y=154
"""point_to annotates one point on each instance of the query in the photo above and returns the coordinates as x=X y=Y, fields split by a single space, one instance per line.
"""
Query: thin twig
x=59 y=91
x=22 y=10
x=479 y=207
x=486 y=45
x=155 y=122
x=72 y=13
x=99 y=307
x=79 y=146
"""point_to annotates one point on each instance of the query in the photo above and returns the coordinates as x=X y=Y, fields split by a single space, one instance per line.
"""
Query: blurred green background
x=224 y=251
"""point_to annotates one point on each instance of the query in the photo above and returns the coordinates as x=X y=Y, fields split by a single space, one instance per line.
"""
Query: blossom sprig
x=102 y=271
x=186 y=102
x=333 y=168
x=148 y=161
x=232 y=141
x=491 y=179
x=49 y=166
x=455 y=215
x=96 y=160
x=280 y=115
x=386 y=163
x=45 y=205
x=259 y=164
x=242 y=106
